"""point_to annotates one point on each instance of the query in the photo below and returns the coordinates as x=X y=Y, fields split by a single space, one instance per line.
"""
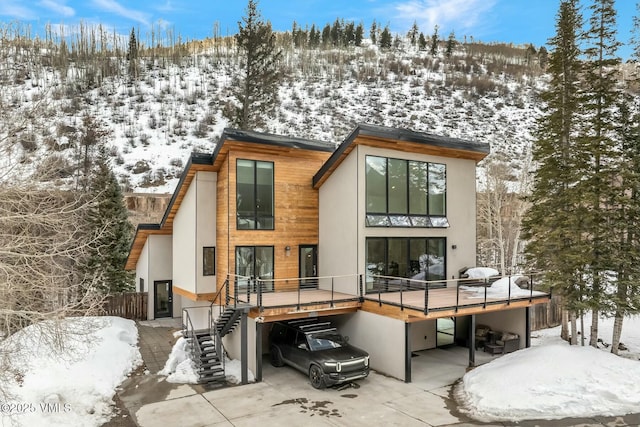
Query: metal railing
x=292 y=292
x=468 y=292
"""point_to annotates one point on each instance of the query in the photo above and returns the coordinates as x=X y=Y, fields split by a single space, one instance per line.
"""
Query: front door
x=163 y=299
x=308 y=266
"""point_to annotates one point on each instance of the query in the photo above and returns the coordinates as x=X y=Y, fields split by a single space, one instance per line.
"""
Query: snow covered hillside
x=174 y=106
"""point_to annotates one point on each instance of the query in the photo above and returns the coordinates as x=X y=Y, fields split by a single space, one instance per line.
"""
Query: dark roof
x=400 y=135
x=419 y=137
x=271 y=139
x=194 y=159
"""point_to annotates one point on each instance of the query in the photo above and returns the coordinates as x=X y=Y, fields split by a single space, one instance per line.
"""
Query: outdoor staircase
x=209 y=365
x=228 y=320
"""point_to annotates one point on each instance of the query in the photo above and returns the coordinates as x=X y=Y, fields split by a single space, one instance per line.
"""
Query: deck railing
x=435 y=295
x=453 y=294
x=293 y=292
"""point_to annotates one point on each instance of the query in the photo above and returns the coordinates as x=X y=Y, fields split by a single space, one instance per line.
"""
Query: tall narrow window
x=209 y=261
x=254 y=195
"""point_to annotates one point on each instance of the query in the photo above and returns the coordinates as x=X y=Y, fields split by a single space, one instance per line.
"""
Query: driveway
x=285 y=397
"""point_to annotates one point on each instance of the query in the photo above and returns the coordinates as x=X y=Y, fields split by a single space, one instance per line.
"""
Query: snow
x=72 y=386
x=180 y=369
x=481 y=272
x=550 y=380
x=505 y=287
x=553 y=380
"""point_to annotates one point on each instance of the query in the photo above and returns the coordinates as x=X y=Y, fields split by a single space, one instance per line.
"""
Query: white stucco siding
x=184 y=242
x=382 y=337
x=460 y=202
x=338 y=224
x=423 y=335
x=205 y=226
x=159 y=254
x=142 y=268
x=233 y=343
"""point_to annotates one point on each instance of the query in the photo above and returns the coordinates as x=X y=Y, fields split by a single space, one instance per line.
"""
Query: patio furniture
x=502 y=343
x=482 y=335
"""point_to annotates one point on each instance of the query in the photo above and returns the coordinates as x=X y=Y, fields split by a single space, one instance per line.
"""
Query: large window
x=422 y=258
x=254 y=262
x=254 y=195
x=405 y=193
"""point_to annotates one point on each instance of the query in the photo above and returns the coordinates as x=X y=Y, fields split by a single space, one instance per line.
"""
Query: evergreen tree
x=451 y=44
x=326 y=36
x=422 y=42
x=112 y=230
x=385 y=38
x=314 y=37
x=349 y=34
x=543 y=57
x=337 y=33
x=413 y=34
x=359 y=35
x=256 y=87
x=553 y=225
x=373 y=33
x=434 y=42
x=600 y=99
x=132 y=54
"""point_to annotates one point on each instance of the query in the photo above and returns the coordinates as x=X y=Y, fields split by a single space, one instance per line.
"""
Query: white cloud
x=16 y=11
x=58 y=6
x=461 y=15
x=116 y=8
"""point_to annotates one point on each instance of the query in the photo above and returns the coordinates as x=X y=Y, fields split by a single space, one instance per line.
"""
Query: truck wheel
x=315 y=376
x=276 y=357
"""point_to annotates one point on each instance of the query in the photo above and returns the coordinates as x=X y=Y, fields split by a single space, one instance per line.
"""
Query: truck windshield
x=325 y=341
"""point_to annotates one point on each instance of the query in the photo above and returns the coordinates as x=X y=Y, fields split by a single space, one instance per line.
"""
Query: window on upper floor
x=417 y=258
x=405 y=193
x=254 y=195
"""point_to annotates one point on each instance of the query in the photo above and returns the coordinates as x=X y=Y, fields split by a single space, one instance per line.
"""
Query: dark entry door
x=163 y=299
x=308 y=266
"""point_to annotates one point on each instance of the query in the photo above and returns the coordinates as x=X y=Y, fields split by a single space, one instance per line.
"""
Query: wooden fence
x=546 y=315
x=130 y=305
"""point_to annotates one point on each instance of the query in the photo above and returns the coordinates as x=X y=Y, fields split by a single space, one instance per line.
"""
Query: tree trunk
x=582 y=329
x=574 y=329
x=617 y=332
x=564 y=330
x=593 y=341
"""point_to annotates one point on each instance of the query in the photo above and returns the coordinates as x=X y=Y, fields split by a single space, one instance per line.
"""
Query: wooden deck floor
x=407 y=305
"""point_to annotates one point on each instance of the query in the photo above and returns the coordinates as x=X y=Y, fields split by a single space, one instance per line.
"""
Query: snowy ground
x=553 y=380
x=550 y=380
x=72 y=387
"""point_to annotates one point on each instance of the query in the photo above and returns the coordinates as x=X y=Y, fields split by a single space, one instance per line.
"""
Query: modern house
x=371 y=233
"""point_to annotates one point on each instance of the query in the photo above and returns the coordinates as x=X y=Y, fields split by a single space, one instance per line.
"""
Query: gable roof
x=211 y=162
x=401 y=140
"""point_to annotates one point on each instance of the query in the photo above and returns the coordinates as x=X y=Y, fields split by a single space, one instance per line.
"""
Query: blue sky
x=517 y=21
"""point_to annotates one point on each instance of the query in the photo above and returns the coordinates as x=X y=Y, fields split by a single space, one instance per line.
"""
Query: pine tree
x=112 y=230
x=256 y=88
x=422 y=42
x=434 y=42
x=451 y=44
x=326 y=36
x=552 y=225
x=413 y=34
x=359 y=35
x=627 y=218
x=132 y=54
x=373 y=33
x=599 y=100
x=385 y=38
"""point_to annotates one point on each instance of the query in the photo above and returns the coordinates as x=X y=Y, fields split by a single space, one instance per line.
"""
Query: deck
x=394 y=298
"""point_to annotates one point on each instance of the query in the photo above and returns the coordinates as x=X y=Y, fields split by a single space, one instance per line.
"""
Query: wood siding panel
x=222 y=224
x=295 y=207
